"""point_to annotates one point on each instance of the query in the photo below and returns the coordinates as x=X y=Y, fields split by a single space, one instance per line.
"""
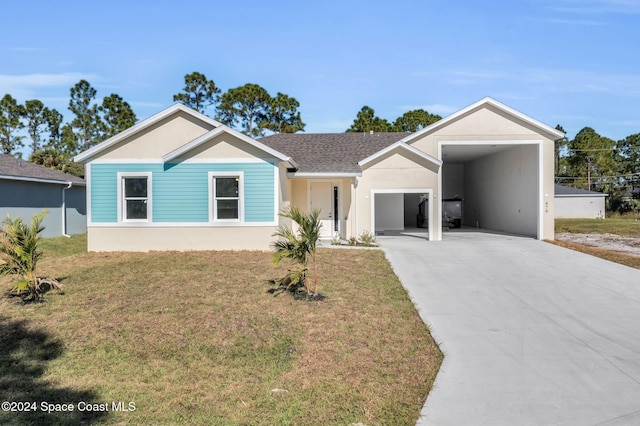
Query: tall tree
x=117 y=115
x=591 y=158
x=414 y=120
x=283 y=115
x=246 y=106
x=560 y=148
x=35 y=113
x=198 y=93
x=628 y=154
x=87 y=123
x=367 y=121
x=10 y=114
x=58 y=150
x=54 y=124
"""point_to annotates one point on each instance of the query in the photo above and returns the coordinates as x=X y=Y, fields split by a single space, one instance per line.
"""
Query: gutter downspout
x=64 y=210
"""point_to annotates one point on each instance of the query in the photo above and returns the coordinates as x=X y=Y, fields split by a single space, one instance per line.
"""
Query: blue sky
x=568 y=62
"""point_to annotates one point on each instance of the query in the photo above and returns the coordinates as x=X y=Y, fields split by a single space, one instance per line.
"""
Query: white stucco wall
x=577 y=206
x=501 y=191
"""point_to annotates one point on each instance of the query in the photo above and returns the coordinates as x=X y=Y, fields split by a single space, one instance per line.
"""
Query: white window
x=134 y=197
x=225 y=199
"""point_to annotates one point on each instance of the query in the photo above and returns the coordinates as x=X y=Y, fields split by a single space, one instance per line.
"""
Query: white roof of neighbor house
x=567 y=191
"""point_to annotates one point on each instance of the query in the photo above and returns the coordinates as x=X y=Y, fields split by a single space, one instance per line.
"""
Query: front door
x=322 y=199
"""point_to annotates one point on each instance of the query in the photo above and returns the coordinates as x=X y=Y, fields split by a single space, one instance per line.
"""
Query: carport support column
x=355 y=186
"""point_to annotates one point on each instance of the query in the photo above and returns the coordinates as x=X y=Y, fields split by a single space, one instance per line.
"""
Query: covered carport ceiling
x=460 y=153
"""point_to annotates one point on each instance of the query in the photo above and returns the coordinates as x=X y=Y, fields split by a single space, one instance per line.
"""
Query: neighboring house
x=182 y=181
x=27 y=189
x=578 y=203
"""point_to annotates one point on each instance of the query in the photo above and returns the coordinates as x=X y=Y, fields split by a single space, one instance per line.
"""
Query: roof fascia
x=486 y=102
x=322 y=175
x=92 y=152
x=39 y=180
x=399 y=145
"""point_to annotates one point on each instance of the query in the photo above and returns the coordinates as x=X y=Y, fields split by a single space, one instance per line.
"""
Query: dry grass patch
x=195 y=338
x=613 y=256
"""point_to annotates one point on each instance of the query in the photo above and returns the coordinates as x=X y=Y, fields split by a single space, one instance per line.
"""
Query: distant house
x=27 y=189
x=180 y=180
x=578 y=203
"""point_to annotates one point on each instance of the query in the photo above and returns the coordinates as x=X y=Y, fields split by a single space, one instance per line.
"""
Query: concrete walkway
x=533 y=334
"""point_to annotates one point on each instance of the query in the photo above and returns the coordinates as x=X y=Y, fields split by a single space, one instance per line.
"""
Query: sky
x=568 y=62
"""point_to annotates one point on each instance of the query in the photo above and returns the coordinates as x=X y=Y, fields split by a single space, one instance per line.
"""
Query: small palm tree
x=19 y=245
x=298 y=246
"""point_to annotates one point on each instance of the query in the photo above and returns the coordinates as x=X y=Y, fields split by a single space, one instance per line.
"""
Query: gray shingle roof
x=330 y=152
x=17 y=168
x=566 y=190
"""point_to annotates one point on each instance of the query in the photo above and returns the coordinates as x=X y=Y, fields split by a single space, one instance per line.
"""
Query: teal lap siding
x=180 y=192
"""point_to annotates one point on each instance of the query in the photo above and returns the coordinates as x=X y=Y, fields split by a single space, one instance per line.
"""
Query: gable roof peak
x=167 y=112
x=484 y=102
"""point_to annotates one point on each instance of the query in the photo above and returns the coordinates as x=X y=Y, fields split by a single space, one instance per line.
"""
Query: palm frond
x=19 y=243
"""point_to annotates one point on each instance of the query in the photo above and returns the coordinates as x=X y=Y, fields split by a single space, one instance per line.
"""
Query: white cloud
x=32 y=81
x=578 y=22
x=591 y=7
x=528 y=81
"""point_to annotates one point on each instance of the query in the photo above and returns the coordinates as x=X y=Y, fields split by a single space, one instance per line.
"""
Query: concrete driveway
x=533 y=334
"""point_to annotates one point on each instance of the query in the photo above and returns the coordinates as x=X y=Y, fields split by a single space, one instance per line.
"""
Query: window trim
x=122 y=205
x=213 y=201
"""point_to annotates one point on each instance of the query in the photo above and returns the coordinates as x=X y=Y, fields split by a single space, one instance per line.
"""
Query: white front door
x=322 y=199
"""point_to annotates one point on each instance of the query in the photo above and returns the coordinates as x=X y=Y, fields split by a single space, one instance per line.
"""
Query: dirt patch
x=623 y=244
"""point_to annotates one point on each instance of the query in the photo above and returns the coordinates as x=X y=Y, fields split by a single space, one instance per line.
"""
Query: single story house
x=27 y=189
x=578 y=203
x=180 y=180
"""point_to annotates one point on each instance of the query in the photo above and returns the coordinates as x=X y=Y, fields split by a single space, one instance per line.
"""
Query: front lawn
x=195 y=338
x=618 y=226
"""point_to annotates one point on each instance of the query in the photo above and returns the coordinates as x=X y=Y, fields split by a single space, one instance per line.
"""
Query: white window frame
x=213 y=210
x=122 y=205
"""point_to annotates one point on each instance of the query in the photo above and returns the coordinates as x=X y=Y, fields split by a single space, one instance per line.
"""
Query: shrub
x=367 y=238
x=19 y=246
x=298 y=247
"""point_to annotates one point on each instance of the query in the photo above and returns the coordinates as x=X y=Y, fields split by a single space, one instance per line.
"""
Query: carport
x=499 y=183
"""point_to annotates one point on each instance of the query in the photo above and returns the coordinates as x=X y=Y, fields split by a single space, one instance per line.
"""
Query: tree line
x=597 y=163
x=249 y=108
x=411 y=121
x=52 y=142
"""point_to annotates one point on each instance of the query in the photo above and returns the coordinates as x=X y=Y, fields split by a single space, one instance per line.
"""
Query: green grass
x=193 y=338
x=627 y=226
x=64 y=246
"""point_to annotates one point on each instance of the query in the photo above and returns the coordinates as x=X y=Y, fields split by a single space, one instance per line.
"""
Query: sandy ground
x=629 y=245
